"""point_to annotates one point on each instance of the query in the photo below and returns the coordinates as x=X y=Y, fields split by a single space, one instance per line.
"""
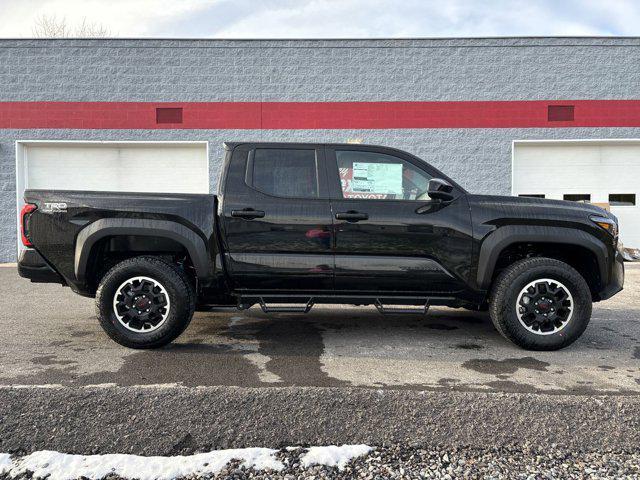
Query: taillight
x=24 y=230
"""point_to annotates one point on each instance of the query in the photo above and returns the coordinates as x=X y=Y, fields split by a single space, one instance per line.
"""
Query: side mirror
x=440 y=189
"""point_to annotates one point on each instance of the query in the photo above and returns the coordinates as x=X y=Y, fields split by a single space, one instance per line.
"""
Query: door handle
x=352 y=216
x=248 y=213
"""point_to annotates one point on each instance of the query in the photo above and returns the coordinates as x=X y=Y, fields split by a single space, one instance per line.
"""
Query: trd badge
x=54 y=207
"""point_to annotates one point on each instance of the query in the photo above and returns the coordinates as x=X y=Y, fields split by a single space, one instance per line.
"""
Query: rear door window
x=286 y=172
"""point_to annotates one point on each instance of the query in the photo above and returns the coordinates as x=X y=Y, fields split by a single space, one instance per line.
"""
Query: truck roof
x=232 y=145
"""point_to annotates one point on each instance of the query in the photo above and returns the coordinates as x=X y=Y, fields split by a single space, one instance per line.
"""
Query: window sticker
x=372 y=180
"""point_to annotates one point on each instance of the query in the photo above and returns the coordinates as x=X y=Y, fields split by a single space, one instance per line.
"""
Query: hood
x=521 y=207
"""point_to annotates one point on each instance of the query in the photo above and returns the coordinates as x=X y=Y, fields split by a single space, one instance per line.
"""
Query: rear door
x=276 y=218
x=389 y=235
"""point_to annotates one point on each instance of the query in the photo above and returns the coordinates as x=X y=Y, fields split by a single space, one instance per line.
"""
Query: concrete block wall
x=323 y=70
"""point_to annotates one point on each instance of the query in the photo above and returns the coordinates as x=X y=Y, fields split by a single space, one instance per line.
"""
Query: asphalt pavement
x=50 y=336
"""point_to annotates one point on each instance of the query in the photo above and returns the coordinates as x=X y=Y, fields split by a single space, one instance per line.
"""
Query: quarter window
x=622 y=199
x=286 y=172
x=380 y=176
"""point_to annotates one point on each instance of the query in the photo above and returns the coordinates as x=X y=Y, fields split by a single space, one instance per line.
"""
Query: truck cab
x=342 y=219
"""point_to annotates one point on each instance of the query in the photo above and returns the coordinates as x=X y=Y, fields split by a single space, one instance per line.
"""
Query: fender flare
x=106 y=227
x=502 y=237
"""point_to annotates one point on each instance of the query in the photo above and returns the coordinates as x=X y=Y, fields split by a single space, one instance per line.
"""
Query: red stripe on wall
x=317 y=115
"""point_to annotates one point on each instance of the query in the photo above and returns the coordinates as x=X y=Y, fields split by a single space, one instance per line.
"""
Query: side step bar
x=286 y=309
x=423 y=310
x=304 y=304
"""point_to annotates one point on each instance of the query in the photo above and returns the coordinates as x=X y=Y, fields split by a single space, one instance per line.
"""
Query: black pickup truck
x=295 y=225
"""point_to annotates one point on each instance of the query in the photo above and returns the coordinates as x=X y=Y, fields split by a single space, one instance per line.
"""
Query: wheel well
x=580 y=258
x=108 y=251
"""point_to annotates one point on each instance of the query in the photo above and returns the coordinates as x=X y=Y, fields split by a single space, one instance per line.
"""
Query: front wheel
x=540 y=304
x=144 y=302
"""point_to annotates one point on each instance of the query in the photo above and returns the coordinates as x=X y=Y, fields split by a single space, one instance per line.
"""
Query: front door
x=276 y=219
x=389 y=235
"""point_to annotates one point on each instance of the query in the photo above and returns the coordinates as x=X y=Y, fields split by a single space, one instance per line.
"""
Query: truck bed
x=63 y=225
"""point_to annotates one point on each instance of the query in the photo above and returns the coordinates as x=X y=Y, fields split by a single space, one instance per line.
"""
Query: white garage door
x=166 y=167
x=171 y=167
x=602 y=172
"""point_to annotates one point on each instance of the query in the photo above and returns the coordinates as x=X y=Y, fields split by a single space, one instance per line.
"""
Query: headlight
x=606 y=224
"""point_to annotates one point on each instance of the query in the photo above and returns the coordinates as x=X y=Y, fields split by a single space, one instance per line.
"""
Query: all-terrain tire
x=166 y=276
x=504 y=303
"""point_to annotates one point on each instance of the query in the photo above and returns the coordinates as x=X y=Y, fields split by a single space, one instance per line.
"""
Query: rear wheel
x=540 y=304
x=144 y=302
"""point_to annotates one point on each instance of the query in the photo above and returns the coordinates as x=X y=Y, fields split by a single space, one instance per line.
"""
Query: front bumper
x=31 y=265
x=616 y=278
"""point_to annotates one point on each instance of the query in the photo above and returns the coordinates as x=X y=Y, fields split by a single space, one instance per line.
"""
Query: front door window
x=372 y=175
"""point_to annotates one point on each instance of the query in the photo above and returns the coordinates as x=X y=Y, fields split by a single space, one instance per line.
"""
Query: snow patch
x=333 y=455
x=5 y=463
x=61 y=466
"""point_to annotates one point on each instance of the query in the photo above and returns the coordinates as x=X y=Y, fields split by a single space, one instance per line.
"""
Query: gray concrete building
x=558 y=117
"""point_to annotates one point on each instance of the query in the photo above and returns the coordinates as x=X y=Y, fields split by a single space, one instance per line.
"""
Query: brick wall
x=381 y=70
